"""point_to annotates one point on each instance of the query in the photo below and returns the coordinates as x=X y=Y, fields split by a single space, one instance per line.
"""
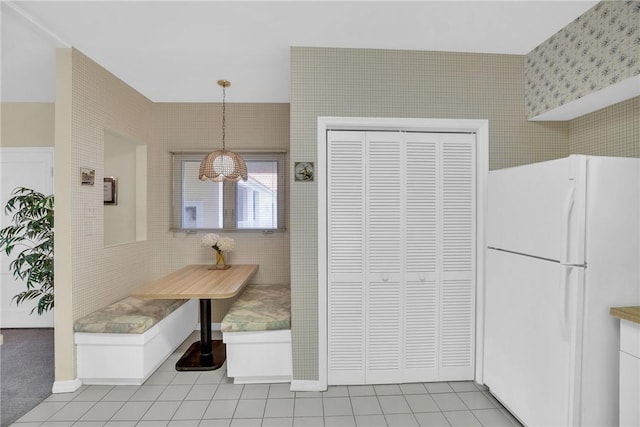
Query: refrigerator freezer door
x=538 y=209
x=530 y=326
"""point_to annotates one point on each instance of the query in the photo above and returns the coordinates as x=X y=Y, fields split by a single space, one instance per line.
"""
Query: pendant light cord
x=224 y=111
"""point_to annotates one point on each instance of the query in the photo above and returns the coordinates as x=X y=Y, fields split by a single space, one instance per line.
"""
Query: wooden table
x=204 y=283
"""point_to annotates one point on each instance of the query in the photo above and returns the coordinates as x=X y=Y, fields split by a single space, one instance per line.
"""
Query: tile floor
x=185 y=399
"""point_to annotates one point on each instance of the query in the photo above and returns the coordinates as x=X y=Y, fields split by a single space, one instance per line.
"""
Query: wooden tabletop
x=631 y=314
x=198 y=281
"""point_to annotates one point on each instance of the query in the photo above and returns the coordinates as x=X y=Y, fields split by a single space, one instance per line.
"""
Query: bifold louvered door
x=401 y=256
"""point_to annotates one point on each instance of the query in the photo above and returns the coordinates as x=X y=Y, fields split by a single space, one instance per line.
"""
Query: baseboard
x=66 y=386
x=303 y=385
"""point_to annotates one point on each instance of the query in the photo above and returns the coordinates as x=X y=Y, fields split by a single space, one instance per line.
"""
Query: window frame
x=229 y=192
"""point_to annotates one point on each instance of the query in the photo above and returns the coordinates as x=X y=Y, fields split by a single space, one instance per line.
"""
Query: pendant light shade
x=223 y=165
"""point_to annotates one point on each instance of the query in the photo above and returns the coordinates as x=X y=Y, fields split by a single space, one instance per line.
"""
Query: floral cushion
x=260 y=308
x=128 y=316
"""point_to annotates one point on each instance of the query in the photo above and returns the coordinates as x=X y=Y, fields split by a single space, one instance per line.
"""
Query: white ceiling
x=175 y=51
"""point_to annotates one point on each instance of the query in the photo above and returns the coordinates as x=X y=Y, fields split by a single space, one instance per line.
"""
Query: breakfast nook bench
x=257 y=334
x=125 y=342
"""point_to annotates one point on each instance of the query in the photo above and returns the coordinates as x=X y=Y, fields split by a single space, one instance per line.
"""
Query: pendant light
x=223 y=165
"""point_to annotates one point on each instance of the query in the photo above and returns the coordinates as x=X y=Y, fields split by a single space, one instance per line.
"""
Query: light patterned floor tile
x=215 y=423
x=278 y=408
x=279 y=391
x=401 y=420
x=387 y=389
x=132 y=411
x=340 y=421
x=366 y=405
x=191 y=410
x=413 y=388
x=255 y=391
x=246 y=422
x=102 y=411
x=438 y=388
x=93 y=393
x=371 y=421
x=475 y=400
x=421 y=403
x=361 y=390
x=308 y=408
x=394 y=405
x=202 y=392
x=336 y=391
x=161 y=411
x=223 y=408
x=277 y=422
x=308 y=422
x=72 y=411
x=432 y=419
x=42 y=412
x=334 y=406
x=462 y=419
x=250 y=408
x=175 y=392
x=449 y=402
x=491 y=418
x=460 y=386
x=120 y=393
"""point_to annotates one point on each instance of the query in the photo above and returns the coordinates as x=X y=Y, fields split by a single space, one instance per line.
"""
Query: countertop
x=631 y=314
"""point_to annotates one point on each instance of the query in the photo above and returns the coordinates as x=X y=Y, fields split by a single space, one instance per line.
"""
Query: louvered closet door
x=346 y=257
x=458 y=231
x=401 y=242
x=385 y=242
x=422 y=296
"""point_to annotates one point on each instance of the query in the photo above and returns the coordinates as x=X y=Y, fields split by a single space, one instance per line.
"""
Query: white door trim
x=481 y=129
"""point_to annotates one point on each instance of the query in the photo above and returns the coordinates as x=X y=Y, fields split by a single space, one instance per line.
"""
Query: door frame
x=481 y=129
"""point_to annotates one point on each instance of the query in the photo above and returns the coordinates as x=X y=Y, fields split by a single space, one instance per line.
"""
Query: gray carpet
x=26 y=371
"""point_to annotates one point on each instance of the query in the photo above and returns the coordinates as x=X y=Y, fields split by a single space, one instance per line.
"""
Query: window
x=255 y=204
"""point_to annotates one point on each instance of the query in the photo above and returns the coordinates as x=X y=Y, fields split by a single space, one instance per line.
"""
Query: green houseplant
x=31 y=233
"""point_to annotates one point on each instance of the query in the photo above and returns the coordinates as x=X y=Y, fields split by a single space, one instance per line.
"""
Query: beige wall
x=89 y=275
x=612 y=131
x=27 y=124
x=178 y=126
x=387 y=83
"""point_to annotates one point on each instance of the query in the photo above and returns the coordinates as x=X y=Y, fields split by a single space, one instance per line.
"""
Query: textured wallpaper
x=390 y=83
x=100 y=275
x=612 y=131
x=596 y=50
x=197 y=126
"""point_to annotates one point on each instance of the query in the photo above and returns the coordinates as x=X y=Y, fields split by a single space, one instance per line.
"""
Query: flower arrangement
x=219 y=244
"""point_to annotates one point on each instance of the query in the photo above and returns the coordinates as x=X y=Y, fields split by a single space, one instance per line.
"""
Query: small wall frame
x=110 y=190
x=87 y=176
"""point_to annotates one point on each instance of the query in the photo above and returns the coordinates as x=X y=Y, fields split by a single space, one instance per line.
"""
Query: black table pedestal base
x=206 y=354
x=194 y=360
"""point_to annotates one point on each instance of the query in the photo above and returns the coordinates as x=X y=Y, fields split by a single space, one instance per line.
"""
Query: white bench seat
x=125 y=342
x=257 y=334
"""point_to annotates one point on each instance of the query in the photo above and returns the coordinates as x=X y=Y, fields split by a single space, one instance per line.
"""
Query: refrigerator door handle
x=565 y=227
x=565 y=322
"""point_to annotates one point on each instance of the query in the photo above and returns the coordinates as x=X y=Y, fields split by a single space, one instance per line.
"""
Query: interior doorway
x=32 y=168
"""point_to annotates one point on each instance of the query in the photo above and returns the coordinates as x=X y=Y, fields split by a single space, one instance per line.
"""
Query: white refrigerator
x=563 y=241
